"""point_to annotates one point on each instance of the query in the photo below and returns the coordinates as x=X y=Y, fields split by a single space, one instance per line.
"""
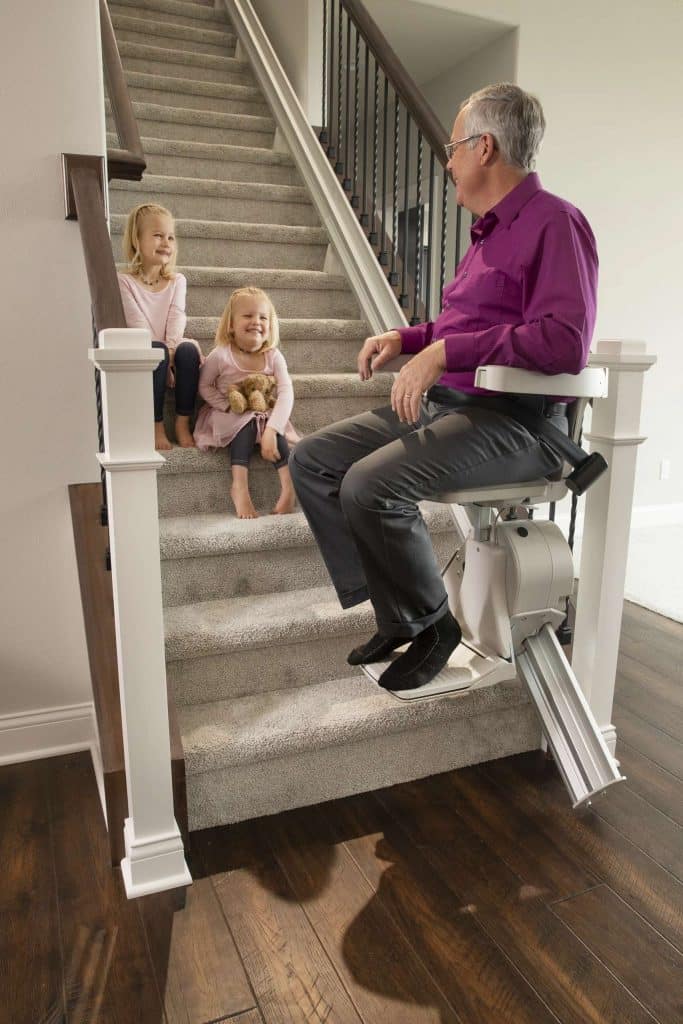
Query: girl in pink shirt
x=247 y=342
x=153 y=296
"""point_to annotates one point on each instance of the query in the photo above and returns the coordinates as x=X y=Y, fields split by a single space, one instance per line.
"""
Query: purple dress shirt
x=524 y=294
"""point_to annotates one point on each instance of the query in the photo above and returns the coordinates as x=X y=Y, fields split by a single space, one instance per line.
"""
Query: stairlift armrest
x=589 y=383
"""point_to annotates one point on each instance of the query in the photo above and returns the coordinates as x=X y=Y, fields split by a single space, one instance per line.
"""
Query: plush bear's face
x=258 y=382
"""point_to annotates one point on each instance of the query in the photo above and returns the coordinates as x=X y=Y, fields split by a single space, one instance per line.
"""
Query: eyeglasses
x=451 y=147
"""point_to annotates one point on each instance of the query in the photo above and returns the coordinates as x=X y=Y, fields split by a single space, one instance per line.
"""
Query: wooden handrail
x=420 y=110
x=105 y=296
x=128 y=162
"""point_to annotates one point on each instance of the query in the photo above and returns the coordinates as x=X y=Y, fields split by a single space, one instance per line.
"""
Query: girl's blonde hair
x=131 y=238
x=225 y=335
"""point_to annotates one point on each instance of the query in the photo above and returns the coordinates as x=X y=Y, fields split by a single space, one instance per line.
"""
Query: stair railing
x=139 y=739
x=386 y=145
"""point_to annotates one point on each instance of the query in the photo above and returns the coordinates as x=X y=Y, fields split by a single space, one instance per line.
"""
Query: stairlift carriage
x=508 y=584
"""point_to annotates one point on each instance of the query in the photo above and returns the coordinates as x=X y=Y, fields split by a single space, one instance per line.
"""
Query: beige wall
x=50 y=102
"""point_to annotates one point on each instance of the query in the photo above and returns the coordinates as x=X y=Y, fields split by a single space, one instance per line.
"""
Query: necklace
x=150 y=284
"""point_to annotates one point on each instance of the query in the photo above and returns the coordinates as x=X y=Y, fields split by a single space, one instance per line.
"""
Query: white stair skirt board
x=30 y=735
x=467 y=667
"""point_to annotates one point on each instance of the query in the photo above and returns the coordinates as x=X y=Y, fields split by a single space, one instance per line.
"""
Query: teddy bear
x=258 y=393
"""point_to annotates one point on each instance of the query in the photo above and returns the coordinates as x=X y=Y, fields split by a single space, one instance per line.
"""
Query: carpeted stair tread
x=275 y=233
x=174 y=35
x=175 y=8
x=160 y=114
x=188 y=87
x=167 y=55
x=233 y=624
x=161 y=183
x=235 y=277
x=315 y=329
x=211 y=151
x=221 y=534
x=265 y=726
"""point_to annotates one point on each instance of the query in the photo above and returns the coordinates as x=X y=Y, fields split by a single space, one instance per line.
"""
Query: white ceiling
x=430 y=40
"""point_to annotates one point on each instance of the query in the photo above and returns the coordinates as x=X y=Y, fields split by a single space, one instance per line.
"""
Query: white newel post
x=615 y=434
x=155 y=858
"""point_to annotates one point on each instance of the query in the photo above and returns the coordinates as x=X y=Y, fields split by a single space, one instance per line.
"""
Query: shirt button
x=464 y=273
x=482 y=242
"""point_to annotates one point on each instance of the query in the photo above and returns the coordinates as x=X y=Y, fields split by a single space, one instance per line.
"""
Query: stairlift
x=508 y=584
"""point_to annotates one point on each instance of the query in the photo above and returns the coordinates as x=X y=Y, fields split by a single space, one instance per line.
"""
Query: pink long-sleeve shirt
x=523 y=295
x=162 y=313
x=216 y=424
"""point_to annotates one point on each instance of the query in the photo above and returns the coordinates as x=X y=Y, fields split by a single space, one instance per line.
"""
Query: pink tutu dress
x=216 y=424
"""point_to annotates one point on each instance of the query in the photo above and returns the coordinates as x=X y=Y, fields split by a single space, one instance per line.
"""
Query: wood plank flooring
x=473 y=897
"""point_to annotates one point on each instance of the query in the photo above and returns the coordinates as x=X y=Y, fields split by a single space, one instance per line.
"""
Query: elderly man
x=524 y=295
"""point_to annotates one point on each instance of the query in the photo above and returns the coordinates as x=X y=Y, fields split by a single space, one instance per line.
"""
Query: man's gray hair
x=514 y=118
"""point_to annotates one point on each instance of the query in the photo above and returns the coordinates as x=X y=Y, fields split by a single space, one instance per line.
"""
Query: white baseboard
x=30 y=735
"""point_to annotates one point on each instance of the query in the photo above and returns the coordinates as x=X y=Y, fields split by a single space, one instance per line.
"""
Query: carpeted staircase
x=271 y=715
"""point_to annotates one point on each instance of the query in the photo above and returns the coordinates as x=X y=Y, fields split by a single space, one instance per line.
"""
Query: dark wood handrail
x=128 y=162
x=420 y=111
x=105 y=295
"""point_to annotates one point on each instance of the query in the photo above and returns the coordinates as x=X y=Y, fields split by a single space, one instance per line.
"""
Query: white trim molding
x=48 y=732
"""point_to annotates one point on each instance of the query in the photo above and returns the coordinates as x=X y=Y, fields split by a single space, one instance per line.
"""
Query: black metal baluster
x=324 y=135
x=347 y=110
x=355 y=198
x=375 y=152
x=458 y=232
x=415 y=318
x=403 y=298
x=393 y=276
x=430 y=232
x=384 y=255
x=331 y=148
x=364 y=219
x=339 y=166
x=444 y=227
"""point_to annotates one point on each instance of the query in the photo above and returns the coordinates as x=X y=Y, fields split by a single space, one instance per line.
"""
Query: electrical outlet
x=664 y=469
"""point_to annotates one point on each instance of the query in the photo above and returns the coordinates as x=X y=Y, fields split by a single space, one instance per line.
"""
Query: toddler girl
x=246 y=343
x=153 y=296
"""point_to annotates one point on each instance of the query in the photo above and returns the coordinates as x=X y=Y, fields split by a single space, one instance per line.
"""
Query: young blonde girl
x=247 y=342
x=153 y=296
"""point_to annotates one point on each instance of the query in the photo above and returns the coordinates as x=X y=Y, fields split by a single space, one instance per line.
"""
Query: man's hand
x=377 y=351
x=415 y=377
x=269 y=448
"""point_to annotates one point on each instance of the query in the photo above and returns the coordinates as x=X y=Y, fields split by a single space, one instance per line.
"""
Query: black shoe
x=376 y=649
x=427 y=655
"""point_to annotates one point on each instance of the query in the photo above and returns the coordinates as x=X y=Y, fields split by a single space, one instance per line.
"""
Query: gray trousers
x=359 y=481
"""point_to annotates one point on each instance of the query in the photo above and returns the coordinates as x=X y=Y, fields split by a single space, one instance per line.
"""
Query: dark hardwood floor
x=474 y=897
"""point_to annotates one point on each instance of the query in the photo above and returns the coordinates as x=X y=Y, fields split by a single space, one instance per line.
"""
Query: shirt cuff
x=412 y=338
x=460 y=352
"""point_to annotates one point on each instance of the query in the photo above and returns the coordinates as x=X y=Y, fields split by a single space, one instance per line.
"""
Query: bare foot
x=183 y=433
x=161 y=442
x=241 y=499
x=286 y=502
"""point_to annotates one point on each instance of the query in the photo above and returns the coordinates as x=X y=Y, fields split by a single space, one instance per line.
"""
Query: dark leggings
x=186 y=364
x=242 y=445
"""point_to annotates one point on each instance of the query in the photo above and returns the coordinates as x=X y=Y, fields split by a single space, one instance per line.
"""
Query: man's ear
x=488 y=149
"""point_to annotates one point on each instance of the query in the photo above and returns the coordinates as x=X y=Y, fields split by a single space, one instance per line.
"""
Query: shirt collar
x=508 y=208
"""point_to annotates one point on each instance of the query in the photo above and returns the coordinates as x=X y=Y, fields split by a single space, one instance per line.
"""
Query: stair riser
x=187 y=494
x=259 y=670
x=313 y=357
x=289 y=302
x=210 y=577
x=216 y=24
x=247 y=791
x=310 y=414
x=190 y=101
x=221 y=170
x=200 y=133
x=238 y=75
x=227 y=252
x=245 y=211
x=223 y=49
